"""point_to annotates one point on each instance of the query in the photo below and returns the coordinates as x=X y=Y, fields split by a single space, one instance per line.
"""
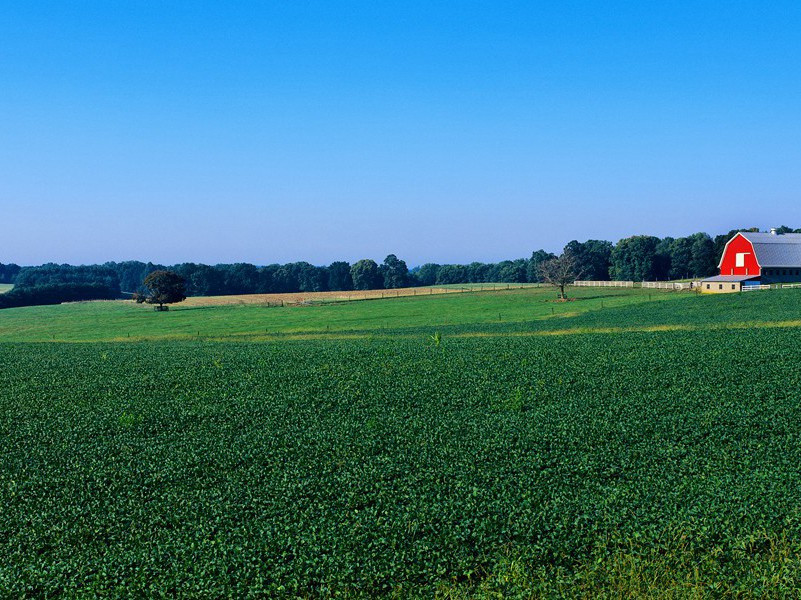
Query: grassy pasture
x=5 y=287
x=106 y=321
x=331 y=297
x=531 y=311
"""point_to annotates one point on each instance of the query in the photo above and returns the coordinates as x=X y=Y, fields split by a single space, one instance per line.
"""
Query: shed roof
x=775 y=249
x=731 y=278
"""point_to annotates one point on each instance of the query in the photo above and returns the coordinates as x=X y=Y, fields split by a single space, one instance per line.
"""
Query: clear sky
x=275 y=131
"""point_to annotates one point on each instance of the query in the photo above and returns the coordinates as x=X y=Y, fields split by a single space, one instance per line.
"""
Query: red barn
x=771 y=257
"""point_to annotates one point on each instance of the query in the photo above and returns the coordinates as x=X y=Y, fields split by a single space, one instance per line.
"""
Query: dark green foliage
x=392 y=466
x=53 y=274
x=635 y=259
x=339 y=276
x=449 y=274
x=426 y=274
x=132 y=273
x=8 y=273
x=509 y=271
x=394 y=272
x=163 y=287
x=592 y=258
x=366 y=275
x=703 y=261
x=40 y=295
x=207 y=281
x=533 y=270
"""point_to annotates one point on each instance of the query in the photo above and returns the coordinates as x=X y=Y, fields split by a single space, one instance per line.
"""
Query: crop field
x=646 y=447
x=328 y=297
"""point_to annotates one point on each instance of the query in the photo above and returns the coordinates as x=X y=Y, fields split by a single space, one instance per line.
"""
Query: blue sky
x=447 y=132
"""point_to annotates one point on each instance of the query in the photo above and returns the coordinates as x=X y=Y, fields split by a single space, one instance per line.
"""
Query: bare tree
x=560 y=272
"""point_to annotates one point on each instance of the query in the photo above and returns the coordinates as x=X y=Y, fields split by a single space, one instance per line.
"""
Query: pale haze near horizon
x=317 y=131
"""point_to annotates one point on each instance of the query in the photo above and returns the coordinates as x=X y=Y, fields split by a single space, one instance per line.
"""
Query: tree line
x=636 y=258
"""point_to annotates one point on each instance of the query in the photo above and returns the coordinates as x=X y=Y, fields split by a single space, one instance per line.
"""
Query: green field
x=103 y=321
x=5 y=287
x=514 y=312
x=621 y=445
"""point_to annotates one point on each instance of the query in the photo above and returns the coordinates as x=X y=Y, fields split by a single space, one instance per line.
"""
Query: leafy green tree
x=395 y=272
x=592 y=257
x=449 y=274
x=163 y=287
x=339 y=276
x=533 y=269
x=635 y=258
x=511 y=271
x=365 y=275
x=702 y=261
x=53 y=274
x=680 y=252
x=426 y=274
x=478 y=272
x=8 y=272
x=310 y=278
x=206 y=281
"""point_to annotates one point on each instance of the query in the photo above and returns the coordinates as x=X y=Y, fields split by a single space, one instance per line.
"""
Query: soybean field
x=629 y=462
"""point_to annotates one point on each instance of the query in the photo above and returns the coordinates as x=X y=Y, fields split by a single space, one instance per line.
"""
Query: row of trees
x=245 y=278
x=635 y=258
x=8 y=273
x=56 y=294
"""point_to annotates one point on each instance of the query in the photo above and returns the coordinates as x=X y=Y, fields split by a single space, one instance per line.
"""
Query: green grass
x=626 y=465
x=5 y=287
x=459 y=446
x=530 y=311
x=104 y=321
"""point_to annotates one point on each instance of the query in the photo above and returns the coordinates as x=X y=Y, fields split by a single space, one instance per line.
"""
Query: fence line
x=627 y=284
x=666 y=285
x=791 y=285
x=754 y=288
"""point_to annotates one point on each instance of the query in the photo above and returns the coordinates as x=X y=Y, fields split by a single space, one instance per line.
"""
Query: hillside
x=513 y=312
x=201 y=317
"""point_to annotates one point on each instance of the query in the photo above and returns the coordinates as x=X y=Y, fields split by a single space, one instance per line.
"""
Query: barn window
x=708 y=286
x=720 y=286
x=739 y=259
x=732 y=286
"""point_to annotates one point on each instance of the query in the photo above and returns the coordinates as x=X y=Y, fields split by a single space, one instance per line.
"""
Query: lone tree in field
x=163 y=287
x=560 y=271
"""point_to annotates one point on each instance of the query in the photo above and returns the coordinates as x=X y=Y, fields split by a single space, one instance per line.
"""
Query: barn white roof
x=775 y=249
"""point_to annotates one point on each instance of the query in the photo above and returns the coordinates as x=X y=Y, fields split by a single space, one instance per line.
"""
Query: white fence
x=666 y=285
x=754 y=288
x=791 y=285
x=627 y=284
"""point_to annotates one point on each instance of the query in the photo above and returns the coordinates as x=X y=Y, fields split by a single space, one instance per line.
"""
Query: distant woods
x=54 y=284
x=635 y=258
